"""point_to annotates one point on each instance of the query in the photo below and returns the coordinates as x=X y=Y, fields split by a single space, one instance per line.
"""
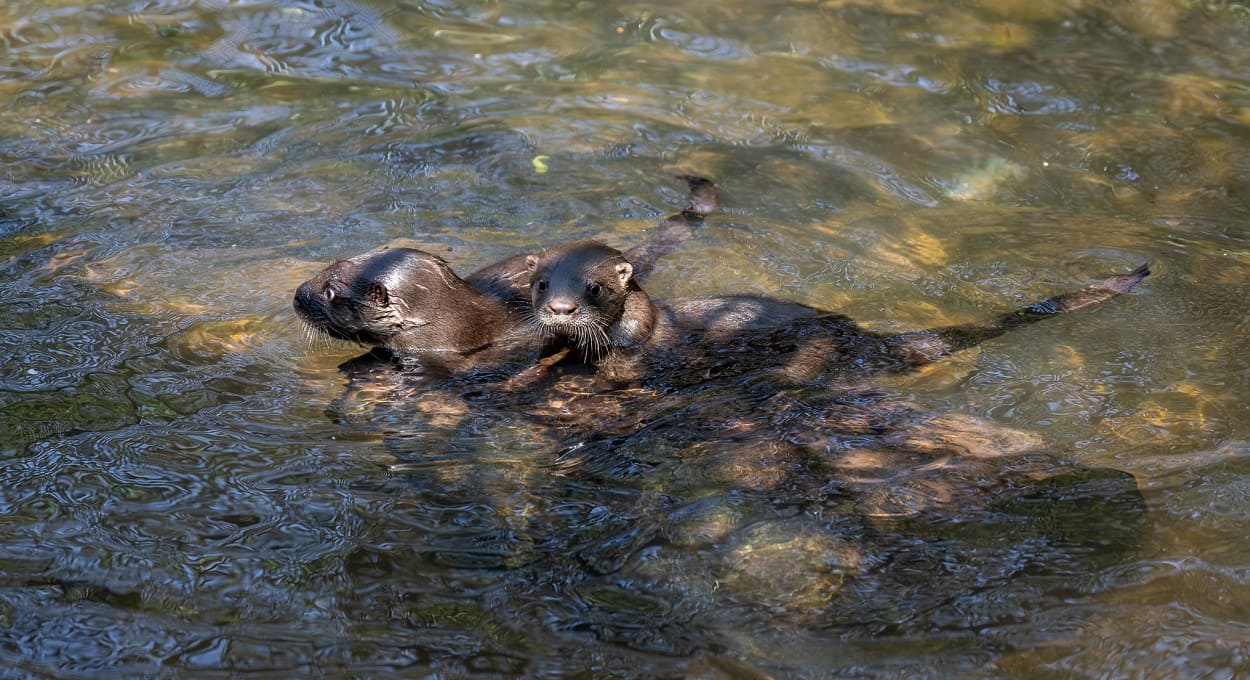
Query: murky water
x=189 y=486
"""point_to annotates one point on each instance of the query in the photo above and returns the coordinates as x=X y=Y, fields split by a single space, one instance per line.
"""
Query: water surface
x=190 y=487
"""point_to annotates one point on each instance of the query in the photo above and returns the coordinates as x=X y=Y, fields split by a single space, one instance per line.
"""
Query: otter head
x=579 y=292
x=402 y=299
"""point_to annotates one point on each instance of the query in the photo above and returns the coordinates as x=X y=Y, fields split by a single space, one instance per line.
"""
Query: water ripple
x=895 y=74
x=889 y=178
x=704 y=46
x=331 y=39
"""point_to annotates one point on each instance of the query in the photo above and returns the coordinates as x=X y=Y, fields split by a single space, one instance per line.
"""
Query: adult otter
x=585 y=294
x=411 y=306
x=415 y=308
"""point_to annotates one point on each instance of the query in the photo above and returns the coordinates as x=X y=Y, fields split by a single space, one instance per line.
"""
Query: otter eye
x=541 y=285
x=594 y=289
x=328 y=292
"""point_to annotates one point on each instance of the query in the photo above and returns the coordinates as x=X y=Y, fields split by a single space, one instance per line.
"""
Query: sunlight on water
x=190 y=485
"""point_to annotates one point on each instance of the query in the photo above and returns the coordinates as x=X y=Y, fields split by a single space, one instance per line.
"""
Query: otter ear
x=625 y=271
x=378 y=295
x=531 y=263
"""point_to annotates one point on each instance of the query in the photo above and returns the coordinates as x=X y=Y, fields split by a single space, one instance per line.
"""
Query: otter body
x=584 y=294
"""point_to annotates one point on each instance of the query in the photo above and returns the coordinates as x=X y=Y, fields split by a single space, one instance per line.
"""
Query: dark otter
x=411 y=306
x=585 y=294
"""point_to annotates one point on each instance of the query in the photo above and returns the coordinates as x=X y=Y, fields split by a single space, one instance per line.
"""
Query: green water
x=188 y=487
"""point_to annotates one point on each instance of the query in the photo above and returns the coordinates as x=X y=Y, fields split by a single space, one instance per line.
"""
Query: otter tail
x=916 y=348
x=665 y=238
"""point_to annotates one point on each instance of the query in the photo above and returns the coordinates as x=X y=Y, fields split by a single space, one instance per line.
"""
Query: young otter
x=410 y=304
x=509 y=279
x=585 y=294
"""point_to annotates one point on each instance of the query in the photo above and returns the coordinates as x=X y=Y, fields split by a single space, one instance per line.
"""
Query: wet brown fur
x=584 y=294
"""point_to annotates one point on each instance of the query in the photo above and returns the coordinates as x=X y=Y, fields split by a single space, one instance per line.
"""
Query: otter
x=586 y=296
x=410 y=307
x=509 y=279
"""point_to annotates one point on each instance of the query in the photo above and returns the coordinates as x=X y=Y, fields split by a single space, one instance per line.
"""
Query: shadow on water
x=695 y=547
x=683 y=519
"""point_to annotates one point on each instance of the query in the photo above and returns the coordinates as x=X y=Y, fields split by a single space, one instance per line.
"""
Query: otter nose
x=563 y=307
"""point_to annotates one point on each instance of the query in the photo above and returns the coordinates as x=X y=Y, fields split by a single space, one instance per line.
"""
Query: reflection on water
x=188 y=484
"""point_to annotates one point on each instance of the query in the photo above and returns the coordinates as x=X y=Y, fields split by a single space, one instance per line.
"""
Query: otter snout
x=563 y=307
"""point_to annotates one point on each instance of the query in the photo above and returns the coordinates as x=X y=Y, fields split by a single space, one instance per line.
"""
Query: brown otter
x=586 y=295
x=412 y=305
x=409 y=305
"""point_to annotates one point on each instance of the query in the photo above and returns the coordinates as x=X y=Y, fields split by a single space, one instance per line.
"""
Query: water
x=189 y=487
